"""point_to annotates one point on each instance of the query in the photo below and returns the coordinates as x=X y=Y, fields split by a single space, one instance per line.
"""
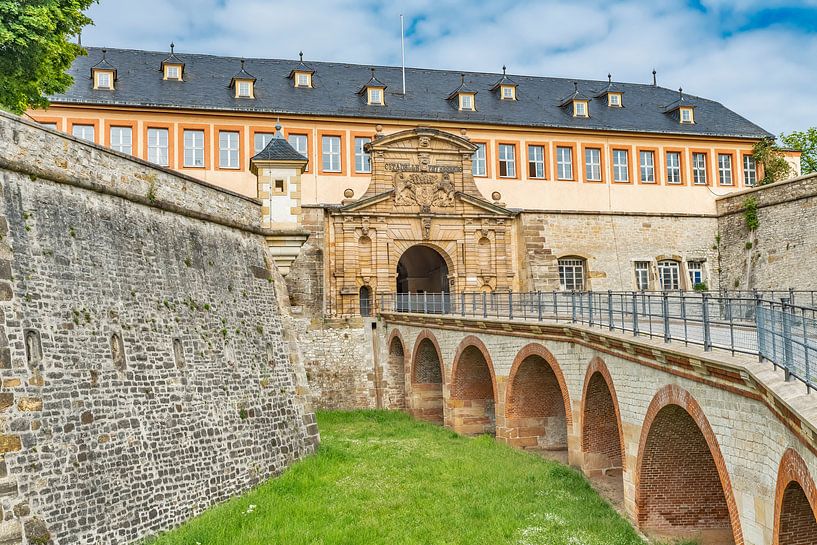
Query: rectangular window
x=507 y=92
x=172 y=72
x=103 y=80
x=466 y=102
x=615 y=99
x=673 y=167
x=375 y=96
x=571 y=274
x=581 y=109
x=478 y=163
x=642 y=275
x=686 y=115
x=299 y=142
x=647 y=164
x=303 y=80
x=536 y=161
x=228 y=149
x=122 y=139
x=749 y=171
x=85 y=132
x=261 y=139
x=331 y=153
x=363 y=162
x=507 y=161
x=696 y=273
x=564 y=163
x=592 y=164
x=621 y=165
x=244 y=89
x=699 y=168
x=724 y=169
x=193 y=148
x=49 y=125
x=158 y=146
x=668 y=275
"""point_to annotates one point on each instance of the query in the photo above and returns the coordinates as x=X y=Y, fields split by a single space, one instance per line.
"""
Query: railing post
x=791 y=296
x=635 y=314
x=760 y=326
x=705 y=315
x=610 y=309
x=539 y=304
x=805 y=351
x=665 y=312
x=510 y=304
x=788 y=355
x=590 y=307
x=573 y=306
x=484 y=305
x=425 y=302
x=462 y=303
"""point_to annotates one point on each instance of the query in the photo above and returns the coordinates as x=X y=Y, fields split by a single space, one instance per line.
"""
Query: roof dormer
x=103 y=74
x=375 y=91
x=172 y=66
x=243 y=83
x=578 y=102
x=506 y=87
x=683 y=109
x=612 y=93
x=301 y=75
x=465 y=96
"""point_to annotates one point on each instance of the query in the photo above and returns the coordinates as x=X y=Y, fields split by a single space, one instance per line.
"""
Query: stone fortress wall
x=146 y=373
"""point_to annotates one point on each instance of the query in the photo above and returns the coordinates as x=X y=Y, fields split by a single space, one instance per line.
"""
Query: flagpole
x=403 y=51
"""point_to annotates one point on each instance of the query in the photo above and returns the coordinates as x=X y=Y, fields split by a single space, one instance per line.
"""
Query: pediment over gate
x=423 y=171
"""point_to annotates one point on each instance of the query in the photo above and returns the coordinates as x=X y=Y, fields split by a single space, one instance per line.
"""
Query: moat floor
x=382 y=478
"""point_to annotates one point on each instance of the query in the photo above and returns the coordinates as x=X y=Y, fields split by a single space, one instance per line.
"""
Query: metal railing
x=740 y=322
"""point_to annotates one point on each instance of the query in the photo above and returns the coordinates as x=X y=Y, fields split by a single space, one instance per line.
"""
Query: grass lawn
x=382 y=478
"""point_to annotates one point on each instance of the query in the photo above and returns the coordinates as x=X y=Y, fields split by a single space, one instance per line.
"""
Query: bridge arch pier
x=425 y=389
x=472 y=399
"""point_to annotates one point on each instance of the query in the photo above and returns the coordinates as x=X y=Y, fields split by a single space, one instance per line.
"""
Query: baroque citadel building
x=464 y=182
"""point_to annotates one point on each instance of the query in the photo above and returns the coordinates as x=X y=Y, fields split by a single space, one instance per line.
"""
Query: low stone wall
x=145 y=375
x=779 y=253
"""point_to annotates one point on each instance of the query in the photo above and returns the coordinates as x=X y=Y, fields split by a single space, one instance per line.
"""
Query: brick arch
x=395 y=386
x=426 y=390
x=602 y=432
x=473 y=394
x=537 y=403
x=674 y=415
x=795 y=504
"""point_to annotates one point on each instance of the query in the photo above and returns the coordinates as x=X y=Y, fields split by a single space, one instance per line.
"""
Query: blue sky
x=757 y=57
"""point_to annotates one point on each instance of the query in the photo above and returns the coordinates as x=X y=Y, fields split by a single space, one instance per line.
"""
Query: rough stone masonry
x=145 y=372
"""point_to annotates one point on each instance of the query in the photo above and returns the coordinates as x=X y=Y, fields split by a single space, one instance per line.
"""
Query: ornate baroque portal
x=422 y=193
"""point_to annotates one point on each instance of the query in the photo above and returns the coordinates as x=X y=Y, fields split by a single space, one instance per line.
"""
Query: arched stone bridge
x=696 y=444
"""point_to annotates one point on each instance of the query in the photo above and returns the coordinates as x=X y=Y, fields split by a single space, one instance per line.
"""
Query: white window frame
x=173 y=71
x=331 y=153
x=108 y=80
x=646 y=166
x=572 y=274
x=84 y=132
x=507 y=159
x=620 y=167
x=244 y=89
x=614 y=100
x=479 y=161
x=303 y=80
x=507 y=92
x=363 y=162
x=699 y=168
x=193 y=148
x=695 y=270
x=673 y=167
x=725 y=170
x=262 y=139
x=158 y=147
x=300 y=142
x=467 y=102
x=564 y=163
x=592 y=164
x=536 y=161
x=687 y=115
x=121 y=139
x=229 y=147
x=669 y=275
x=749 y=171
x=376 y=96
x=580 y=109
x=642 y=275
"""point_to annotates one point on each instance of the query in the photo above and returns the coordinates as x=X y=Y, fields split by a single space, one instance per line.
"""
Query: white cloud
x=762 y=74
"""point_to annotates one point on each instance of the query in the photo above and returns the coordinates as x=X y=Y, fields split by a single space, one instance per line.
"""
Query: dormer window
x=467 y=101
x=376 y=96
x=172 y=66
x=508 y=92
x=614 y=100
x=580 y=108
x=103 y=79
x=687 y=115
x=506 y=87
x=301 y=75
x=612 y=93
x=375 y=91
x=683 y=109
x=243 y=83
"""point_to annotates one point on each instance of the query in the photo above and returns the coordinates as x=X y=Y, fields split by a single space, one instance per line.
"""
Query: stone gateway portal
x=422 y=269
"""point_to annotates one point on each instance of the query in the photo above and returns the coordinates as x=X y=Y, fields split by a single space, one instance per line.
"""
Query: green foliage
x=701 y=286
x=35 y=51
x=381 y=478
x=750 y=213
x=806 y=143
x=772 y=162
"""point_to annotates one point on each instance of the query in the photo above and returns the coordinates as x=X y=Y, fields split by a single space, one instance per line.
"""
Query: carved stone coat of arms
x=425 y=189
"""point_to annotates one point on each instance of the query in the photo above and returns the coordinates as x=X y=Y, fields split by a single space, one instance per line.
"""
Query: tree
x=769 y=156
x=35 y=51
x=806 y=143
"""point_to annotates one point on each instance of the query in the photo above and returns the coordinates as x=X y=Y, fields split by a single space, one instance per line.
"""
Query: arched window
x=669 y=275
x=571 y=273
x=365 y=301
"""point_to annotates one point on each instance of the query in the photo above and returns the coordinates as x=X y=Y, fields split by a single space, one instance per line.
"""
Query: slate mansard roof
x=336 y=85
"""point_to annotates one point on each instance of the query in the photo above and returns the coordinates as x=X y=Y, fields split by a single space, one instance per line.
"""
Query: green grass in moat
x=382 y=478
